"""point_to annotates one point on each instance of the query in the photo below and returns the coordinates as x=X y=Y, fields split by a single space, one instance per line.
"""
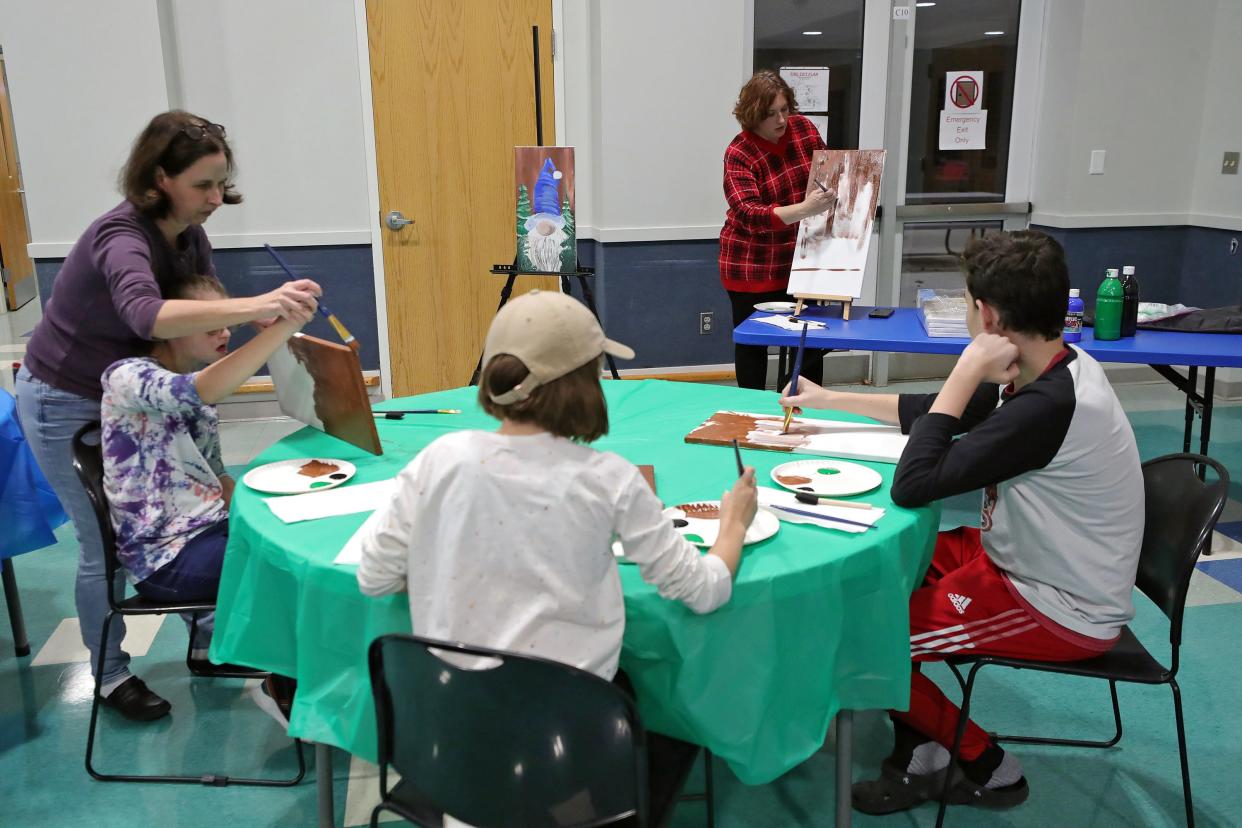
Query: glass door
x=956 y=128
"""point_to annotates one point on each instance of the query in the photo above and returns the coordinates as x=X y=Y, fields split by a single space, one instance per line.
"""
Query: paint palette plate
x=304 y=474
x=702 y=530
x=776 y=307
x=829 y=478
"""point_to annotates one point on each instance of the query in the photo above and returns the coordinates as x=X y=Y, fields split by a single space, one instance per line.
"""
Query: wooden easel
x=845 y=301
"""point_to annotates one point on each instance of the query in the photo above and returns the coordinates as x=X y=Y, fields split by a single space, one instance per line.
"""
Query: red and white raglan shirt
x=1063 y=489
x=1050 y=572
x=756 y=247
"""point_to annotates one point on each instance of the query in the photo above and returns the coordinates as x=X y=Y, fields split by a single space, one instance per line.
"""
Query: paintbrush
x=397 y=415
x=823 y=517
x=816 y=500
x=336 y=324
x=793 y=380
x=737 y=452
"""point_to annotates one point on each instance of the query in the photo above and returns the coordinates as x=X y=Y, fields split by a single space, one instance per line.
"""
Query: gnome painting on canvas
x=546 y=238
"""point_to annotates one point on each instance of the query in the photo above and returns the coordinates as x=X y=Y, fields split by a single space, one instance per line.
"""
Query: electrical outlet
x=705 y=322
x=1229 y=166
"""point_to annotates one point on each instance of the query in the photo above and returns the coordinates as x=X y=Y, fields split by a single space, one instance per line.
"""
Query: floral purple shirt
x=162 y=466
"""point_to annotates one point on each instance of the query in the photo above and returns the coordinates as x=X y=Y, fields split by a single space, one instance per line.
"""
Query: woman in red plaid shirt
x=766 y=168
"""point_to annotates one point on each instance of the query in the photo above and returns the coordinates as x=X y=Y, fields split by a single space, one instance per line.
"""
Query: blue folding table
x=903 y=333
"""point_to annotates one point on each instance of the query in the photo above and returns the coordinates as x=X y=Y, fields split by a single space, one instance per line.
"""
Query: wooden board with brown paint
x=825 y=438
x=320 y=384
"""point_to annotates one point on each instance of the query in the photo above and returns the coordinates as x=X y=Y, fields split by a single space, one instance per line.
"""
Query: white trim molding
x=1083 y=220
x=233 y=241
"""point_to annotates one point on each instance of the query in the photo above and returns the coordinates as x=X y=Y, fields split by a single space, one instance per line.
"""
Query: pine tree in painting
x=524 y=213
x=569 y=248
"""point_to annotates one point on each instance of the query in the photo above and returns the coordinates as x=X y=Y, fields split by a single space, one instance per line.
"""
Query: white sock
x=1007 y=772
x=928 y=758
x=106 y=689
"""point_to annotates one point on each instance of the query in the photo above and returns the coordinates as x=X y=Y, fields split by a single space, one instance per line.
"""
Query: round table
x=818 y=621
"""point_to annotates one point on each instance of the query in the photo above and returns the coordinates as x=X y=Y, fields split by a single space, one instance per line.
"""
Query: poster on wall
x=809 y=85
x=830 y=256
x=963 y=121
x=545 y=223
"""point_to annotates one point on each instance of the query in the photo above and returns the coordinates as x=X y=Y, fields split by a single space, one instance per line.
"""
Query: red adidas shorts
x=967 y=606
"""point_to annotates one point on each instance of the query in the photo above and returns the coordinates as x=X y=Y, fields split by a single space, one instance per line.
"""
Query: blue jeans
x=49 y=418
x=194 y=575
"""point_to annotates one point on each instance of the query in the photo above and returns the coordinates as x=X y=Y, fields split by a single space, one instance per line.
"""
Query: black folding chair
x=522 y=741
x=88 y=463
x=1181 y=512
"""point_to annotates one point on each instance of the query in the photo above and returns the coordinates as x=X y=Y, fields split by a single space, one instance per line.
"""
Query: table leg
x=21 y=645
x=845 y=766
x=1209 y=389
x=1191 y=389
x=782 y=358
x=323 y=784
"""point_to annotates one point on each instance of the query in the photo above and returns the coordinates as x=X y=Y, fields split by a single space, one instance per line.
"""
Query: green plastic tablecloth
x=818 y=620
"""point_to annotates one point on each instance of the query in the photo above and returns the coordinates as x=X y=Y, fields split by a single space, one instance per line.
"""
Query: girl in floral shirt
x=163 y=476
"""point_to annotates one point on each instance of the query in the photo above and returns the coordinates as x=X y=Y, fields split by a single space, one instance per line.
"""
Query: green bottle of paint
x=1109 y=303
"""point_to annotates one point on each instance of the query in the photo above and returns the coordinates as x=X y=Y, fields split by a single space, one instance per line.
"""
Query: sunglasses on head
x=197 y=132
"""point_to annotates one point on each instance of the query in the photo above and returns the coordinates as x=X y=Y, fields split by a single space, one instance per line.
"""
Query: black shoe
x=203 y=667
x=898 y=790
x=133 y=700
x=966 y=792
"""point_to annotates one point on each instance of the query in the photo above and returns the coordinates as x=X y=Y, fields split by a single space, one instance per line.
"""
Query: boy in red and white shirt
x=1049 y=574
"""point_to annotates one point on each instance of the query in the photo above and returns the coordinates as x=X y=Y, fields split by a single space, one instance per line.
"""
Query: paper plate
x=285 y=477
x=776 y=307
x=702 y=532
x=830 y=478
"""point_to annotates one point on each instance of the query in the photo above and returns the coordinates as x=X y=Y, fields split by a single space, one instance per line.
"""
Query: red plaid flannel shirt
x=756 y=247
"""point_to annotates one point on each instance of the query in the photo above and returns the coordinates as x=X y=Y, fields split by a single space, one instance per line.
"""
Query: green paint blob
x=829 y=471
x=320 y=484
x=693 y=538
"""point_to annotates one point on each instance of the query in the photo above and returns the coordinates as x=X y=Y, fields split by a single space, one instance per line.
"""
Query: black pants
x=669 y=762
x=751 y=361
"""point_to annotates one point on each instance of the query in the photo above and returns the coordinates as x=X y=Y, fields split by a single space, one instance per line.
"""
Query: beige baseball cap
x=552 y=334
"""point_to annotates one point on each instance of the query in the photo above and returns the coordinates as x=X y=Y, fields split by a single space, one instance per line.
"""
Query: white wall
x=84 y=77
x=1154 y=84
x=650 y=88
x=282 y=76
x=1217 y=198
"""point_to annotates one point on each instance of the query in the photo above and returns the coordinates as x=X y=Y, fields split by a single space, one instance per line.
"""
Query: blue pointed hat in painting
x=547 y=204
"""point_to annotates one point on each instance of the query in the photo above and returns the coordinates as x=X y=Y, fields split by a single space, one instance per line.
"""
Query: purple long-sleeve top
x=106 y=296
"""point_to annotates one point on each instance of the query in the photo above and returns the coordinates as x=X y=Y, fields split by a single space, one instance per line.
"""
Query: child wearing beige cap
x=503 y=538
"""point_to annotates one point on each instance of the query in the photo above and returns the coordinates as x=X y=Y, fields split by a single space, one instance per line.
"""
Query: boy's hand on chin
x=993 y=358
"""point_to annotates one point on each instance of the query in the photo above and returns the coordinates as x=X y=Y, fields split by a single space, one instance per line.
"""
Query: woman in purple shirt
x=106 y=304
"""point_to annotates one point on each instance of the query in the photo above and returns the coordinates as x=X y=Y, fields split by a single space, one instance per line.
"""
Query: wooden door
x=14 y=234
x=453 y=90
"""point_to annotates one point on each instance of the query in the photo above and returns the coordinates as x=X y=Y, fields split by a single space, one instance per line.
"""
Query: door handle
x=395 y=220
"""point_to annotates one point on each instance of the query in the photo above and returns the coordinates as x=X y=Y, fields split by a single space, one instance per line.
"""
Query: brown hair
x=756 y=98
x=194 y=283
x=1024 y=276
x=165 y=145
x=571 y=406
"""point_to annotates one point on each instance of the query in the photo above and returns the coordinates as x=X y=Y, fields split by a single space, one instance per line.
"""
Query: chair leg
x=711 y=788
x=962 y=720
x=1082 y=743
x=957 y=674
x=90 y=731
x=1181 y=747
x=211 y=779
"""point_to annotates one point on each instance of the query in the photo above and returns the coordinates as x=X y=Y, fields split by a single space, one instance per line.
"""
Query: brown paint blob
x=703 y=511
x=314 y=468
x=794 y=480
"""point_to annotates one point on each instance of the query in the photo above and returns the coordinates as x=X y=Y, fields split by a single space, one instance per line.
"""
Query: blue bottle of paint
x=1073 y=318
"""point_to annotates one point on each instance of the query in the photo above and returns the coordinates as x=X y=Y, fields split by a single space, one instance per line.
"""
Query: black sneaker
x=133 y=700
x=203 y=667
x=898 y=790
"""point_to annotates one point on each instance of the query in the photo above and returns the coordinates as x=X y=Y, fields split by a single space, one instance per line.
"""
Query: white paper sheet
x=788 y=324
x=343 y=500
x=769 y=496
x=351 y=552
